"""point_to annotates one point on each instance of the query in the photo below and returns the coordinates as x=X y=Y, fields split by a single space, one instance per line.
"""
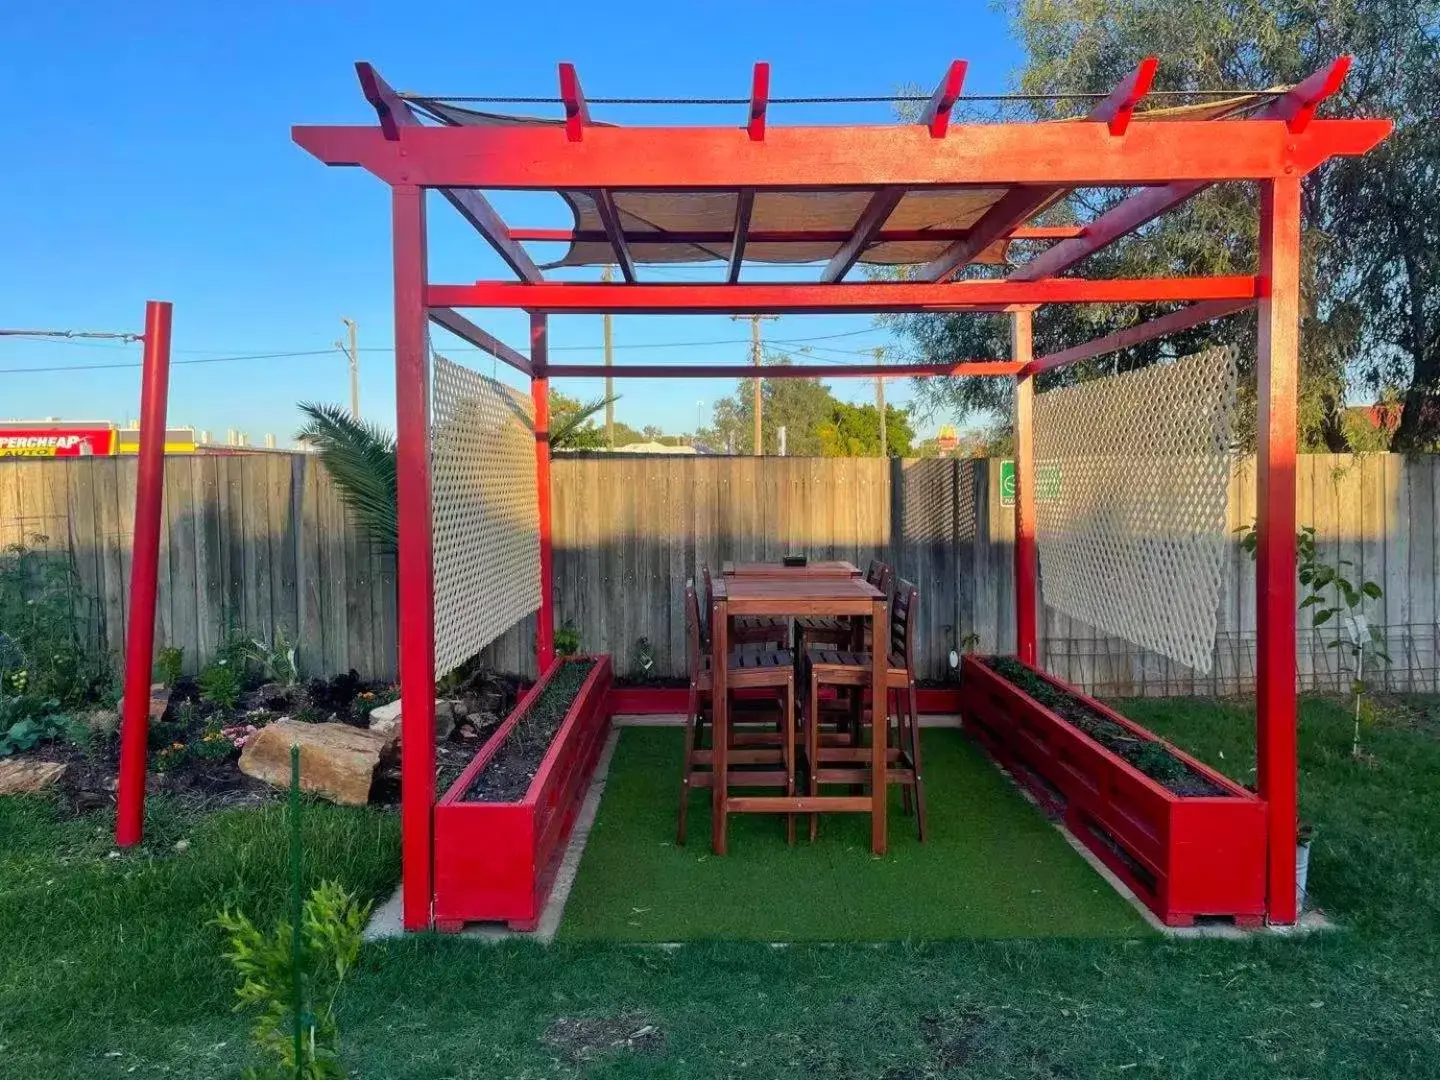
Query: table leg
x=720 y=725
x=879 y=722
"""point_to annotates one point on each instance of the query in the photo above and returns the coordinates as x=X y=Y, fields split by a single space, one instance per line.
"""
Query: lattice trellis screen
x=1132 y=474
x=485 y=511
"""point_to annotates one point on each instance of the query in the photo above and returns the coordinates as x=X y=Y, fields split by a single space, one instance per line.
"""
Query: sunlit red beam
x=759 y=100
x=771 y=236
x=881 y=205
x=936 y=114
x=1184 y=319
x=1020 y=204
x=577 y=112
x=778 y=371
x=1296 y=106
x=486 y=342
x=580 y=297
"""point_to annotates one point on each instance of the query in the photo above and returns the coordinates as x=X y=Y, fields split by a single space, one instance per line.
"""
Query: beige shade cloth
x=643 y=213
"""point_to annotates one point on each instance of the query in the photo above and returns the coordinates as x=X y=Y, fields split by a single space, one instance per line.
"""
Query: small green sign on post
x=1007 y=482
x=1047 y=482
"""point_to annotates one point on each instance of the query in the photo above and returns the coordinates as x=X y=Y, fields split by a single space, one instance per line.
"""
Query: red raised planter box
x=496 y=861
x=1186 y=856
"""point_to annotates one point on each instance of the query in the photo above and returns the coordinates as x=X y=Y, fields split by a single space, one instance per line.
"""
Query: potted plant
x=502 y=827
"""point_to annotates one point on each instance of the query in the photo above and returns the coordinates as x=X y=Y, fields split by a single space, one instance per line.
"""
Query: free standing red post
x=540 y=398
x=144 y=575
x=415 y=568
x=1026 y=573
x=1279 y=373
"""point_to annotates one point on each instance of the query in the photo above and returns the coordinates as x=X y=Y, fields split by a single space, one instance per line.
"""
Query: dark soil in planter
x=651 y=682
x=507 y=775
x=1146 y=755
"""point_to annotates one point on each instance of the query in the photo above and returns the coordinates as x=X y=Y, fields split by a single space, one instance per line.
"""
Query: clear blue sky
x=147 y=154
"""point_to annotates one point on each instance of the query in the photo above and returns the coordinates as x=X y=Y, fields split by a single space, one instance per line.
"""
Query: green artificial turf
x=991 y=865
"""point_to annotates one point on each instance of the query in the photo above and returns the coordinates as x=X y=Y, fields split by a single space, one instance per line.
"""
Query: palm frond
x=563 y=433
x=361 y=459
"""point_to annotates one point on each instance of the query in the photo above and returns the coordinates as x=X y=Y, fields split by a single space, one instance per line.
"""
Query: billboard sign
x=56 y=442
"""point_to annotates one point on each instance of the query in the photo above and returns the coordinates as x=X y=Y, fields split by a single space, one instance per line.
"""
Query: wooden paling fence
x=261 y=542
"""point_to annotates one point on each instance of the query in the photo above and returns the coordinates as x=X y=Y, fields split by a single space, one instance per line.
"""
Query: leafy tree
x=854 y=431
x=572 y=423
x=800 y=406
x=1371 y=258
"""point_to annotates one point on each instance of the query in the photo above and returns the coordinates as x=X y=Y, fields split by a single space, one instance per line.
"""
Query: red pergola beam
x=779 y=371
x=486 y=342
x=1174 y=322
x=1297 y=106
x=936 y=114
x=782 y=298
x=394 y=113
x=789 y=236
x=759 y=100
x=744 y=207
x=615 y=232
x=726 y=159
x=881 y=205
x=1020 y=204
x=577 y=112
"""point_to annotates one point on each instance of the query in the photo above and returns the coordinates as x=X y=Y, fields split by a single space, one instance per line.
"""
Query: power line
x=840 y=99
x=173 y=363
x=51 y=334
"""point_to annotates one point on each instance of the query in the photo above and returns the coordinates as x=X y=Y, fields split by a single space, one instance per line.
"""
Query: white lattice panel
x=486 y=521
x=1132 y=474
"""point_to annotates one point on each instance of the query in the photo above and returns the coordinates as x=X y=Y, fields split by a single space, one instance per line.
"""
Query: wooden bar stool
x=830 y=666
x=763 y=630
x=747 y=668
x=830 y=630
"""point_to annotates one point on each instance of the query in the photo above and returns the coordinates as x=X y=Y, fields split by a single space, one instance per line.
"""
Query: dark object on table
x=794 y=560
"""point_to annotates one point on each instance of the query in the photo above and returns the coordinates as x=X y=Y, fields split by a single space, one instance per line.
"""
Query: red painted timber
x=496 y=862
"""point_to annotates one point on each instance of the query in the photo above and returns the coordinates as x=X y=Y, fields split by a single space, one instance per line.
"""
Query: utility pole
x=609 y=381
x=880 y=400
x=353 y=352
x=756 y=357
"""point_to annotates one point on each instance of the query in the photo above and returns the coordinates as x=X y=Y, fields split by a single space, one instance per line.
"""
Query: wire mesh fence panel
x=484 y=510
x=1131 y=484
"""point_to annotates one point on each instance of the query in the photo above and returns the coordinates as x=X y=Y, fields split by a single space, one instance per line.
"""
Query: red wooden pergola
x=1168 y=155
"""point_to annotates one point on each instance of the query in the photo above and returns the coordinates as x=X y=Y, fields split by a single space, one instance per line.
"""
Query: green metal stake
x=295 y=905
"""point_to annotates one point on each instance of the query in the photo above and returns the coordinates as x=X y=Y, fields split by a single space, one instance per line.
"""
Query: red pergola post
x=540 y=397
x=415 y=568
x=1278 y=375
x=1026 y=573
x=144 y=575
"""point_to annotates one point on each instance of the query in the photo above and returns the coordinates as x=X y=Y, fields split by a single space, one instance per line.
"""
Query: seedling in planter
x=567 y=640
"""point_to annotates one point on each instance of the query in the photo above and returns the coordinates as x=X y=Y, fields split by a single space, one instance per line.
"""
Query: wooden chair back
x=693 y=656
x=708 y=605
x=881 y=576
x=903 y=611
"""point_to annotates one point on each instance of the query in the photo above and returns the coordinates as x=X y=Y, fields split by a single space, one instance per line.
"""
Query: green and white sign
x=1047 y=482
x=1007 y=482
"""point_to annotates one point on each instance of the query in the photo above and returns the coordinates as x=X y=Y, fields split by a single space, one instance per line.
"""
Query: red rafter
x=759 y=100
x=873 y=296
x=1295 y=106
x=466 y=330
x=614 y=232
x=1020 y=204
x=1174 y=322
x=744 y=205
x=577 y=113
x=393 y=111
x=936 y=114
x=881 y=205
x=773 y=236
x=780 y=371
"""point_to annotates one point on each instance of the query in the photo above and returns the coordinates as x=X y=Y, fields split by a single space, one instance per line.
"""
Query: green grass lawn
x=992 y=866
x=108 y=967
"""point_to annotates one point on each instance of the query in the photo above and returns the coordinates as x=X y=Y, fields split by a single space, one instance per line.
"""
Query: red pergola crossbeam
x=577 y=112
x=637 y=238
x=779 y=371
x=726 y=159
x=467 y=331
x=881 y=205
x=615 y=232
x=1184 y=319
x=936 y=114
x=1296 y=106
x=759 y=100
x=861 y=297
x=744 y=207
x=1117 y=109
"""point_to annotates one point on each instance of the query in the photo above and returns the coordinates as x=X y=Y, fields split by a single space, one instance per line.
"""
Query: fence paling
x=253 y=542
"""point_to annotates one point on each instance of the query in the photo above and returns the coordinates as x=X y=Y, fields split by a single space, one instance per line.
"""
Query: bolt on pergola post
x=1270 y=137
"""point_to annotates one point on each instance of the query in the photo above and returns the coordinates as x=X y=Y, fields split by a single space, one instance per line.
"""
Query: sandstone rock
x=336 y=760
x=24 y=777
x=386 y=719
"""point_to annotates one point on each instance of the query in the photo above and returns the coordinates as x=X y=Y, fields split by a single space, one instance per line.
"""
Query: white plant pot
x=1302 y=874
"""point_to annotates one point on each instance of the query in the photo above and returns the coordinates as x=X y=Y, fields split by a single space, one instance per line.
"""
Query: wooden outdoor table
x=828 y=568
x=791 y=595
